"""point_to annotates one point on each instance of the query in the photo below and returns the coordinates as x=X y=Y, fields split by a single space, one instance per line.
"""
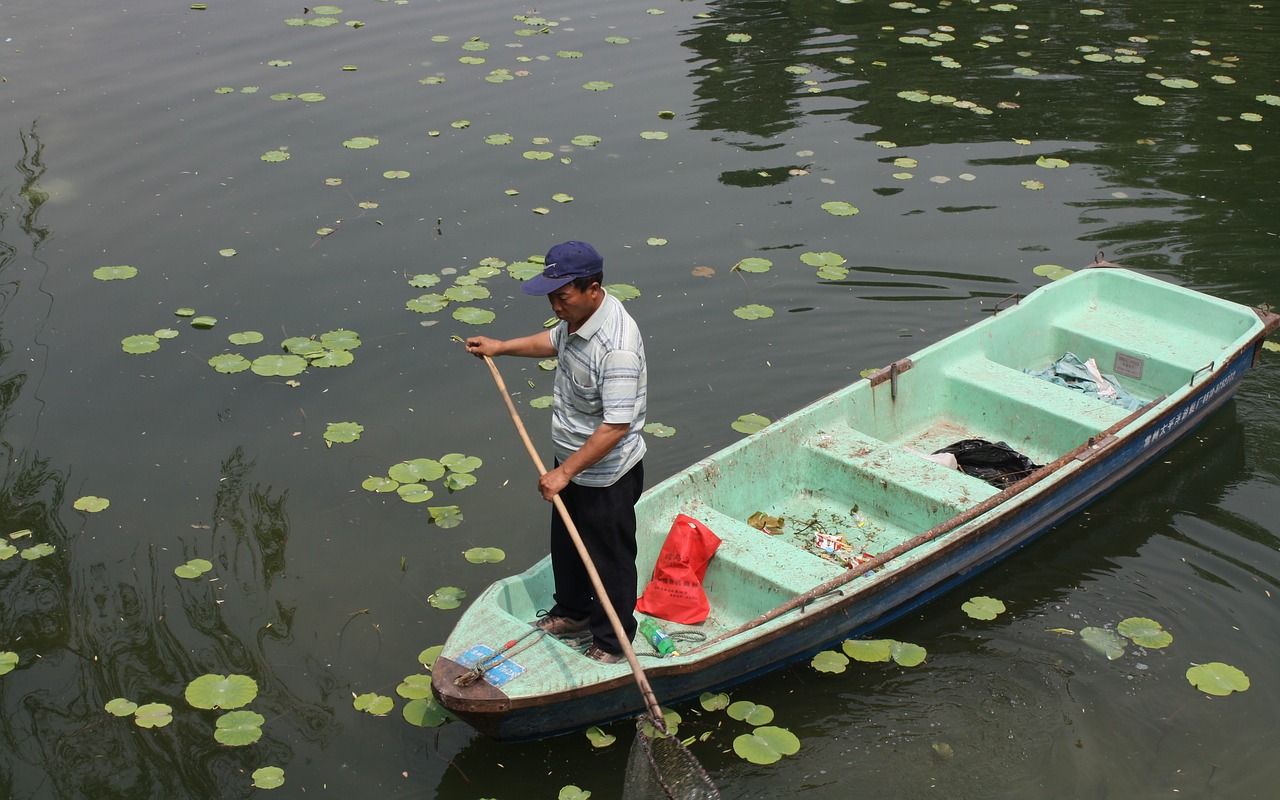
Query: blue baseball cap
x=564 y=262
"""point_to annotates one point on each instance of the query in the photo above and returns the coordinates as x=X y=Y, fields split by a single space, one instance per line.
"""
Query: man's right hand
x=481 y=346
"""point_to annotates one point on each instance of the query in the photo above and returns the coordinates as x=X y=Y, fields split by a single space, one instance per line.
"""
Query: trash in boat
x=947 y=460
x=763 y=522
x=828 y=542
x=998 y=464
x=1084 y=376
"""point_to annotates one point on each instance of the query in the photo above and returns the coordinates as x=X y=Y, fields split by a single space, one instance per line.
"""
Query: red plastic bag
x=675 y=592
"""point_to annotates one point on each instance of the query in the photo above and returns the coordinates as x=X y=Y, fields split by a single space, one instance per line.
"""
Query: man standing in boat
x=597 y=416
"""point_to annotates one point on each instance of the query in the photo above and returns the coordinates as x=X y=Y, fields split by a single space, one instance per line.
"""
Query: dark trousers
x=605 y=517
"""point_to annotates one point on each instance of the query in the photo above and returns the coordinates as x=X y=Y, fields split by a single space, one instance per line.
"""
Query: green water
x=116 y=148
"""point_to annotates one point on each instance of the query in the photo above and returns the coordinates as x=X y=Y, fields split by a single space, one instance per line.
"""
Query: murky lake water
x=117 y=149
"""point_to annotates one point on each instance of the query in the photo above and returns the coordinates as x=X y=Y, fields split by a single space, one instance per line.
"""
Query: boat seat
x=895 y=484
x=1024 y=410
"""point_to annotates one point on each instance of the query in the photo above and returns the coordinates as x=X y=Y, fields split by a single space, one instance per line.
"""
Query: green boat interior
x=854 y=465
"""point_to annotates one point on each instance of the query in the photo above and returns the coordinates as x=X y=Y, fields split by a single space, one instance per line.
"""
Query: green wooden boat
x=853 y=464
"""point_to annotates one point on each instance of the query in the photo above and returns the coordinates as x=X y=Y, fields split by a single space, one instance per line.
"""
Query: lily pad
x=659 y=430
x=425 y=713
x=983 y=607
x=193 y=568
x=485 y=555
x=428 y=303
x=753 y=264
x=414 y=493
x=457 y=462
x=372 y=703
x=585 y=140
x=360 y=143
x=830 y=661
x=750 y=713
x=419 y=469
x=545 y=401
x=457 y=481
x=598 y=738
x=1144 y=632
x=394 y=174
x=465 y=293
x=376 y=483
x=9 y=660
x=824 y=259
x=427 y=658
x=713 y=701
x=750 y=423
x=1108 y=643
x=415 y=687
x=120 y=273
x=1052 y=271
x=623 y=291
x=245 y=337
x=839 y=208
x=753 y=311
x=446 y=516
x=268 y=777
x=597 y=86
x=221 y=691
x=238 y=728
x=1052 y=163
x=766 y=745
x=140 y=343
x=342 y=432
x=91 y=504
x=905 y=654
x=274 y=156
x=230 y=363
x=473 y=316
x=153 y=715
x=120 y=707
x=447 y=597
x=38 y=551
x=868 y=650
x=654 y=135
x=204 y=322
x=1217 y=678
x=279 y=365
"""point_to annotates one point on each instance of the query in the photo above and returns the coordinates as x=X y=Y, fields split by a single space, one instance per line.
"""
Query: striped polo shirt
x=601 y=377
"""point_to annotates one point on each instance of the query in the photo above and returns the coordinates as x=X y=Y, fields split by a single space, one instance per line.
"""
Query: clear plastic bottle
x=657 y=637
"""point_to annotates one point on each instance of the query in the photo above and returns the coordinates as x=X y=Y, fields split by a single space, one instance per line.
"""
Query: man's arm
x=536 y=346
x=596 y=447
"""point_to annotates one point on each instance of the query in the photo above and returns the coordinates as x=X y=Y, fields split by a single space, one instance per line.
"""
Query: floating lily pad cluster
x=1215 y=677
x=409 y=480
x=8 y=548
x=330 y=349
x=763 y=743
x=903 y=654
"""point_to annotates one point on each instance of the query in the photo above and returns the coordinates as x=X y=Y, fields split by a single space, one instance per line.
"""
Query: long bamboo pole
x=650 y=700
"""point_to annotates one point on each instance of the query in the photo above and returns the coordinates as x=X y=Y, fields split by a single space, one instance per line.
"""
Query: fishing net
x=661 y=766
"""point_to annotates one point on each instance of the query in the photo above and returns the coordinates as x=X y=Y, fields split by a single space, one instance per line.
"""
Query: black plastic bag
x=998 y=464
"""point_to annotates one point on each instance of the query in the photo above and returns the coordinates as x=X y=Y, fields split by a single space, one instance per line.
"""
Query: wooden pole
x=650 y=701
